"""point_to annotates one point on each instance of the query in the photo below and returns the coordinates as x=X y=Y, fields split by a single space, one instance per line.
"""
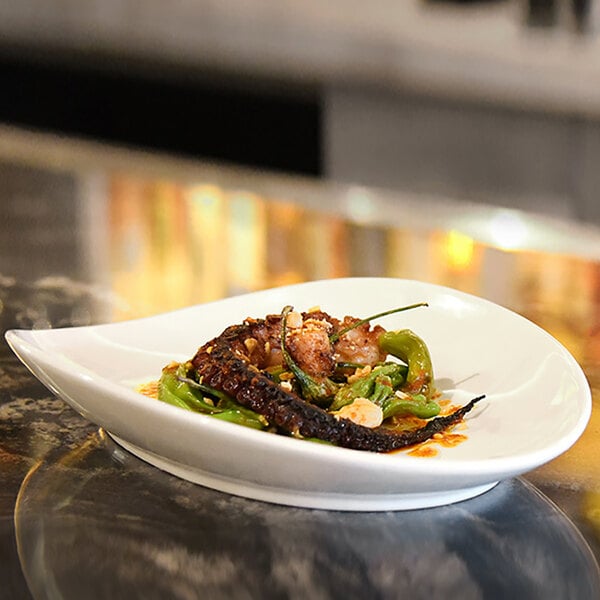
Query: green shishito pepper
x=411 y=349
x=380 y=386
x=175 y=387
x=417 y=405
x=370 y=386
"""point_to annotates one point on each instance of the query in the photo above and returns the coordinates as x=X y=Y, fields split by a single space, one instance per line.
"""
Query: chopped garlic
x=362 y=412
x=285 y=385
x=359 y=373
x=294 y=320
x=316 y=325
x=251 y=344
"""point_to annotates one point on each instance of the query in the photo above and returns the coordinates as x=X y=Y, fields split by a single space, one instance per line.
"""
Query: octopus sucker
x=231 y=364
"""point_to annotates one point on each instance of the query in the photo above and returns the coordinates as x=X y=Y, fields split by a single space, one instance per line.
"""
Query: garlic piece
x=251 y=344
x=362 y=412
x=294 y=320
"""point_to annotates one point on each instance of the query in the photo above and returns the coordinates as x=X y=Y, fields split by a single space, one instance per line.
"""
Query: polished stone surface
x=169 y=538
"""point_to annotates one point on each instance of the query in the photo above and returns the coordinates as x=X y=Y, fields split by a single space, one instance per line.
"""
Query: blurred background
x=257 y=143
x=489 y=101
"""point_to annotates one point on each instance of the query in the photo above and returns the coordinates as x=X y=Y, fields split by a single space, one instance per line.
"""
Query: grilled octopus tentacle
x=222 y=364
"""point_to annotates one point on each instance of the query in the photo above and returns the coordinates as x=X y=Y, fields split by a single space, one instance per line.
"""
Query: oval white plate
x=538 y=401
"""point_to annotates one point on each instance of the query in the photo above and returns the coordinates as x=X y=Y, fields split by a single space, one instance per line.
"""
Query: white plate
x=537 y=402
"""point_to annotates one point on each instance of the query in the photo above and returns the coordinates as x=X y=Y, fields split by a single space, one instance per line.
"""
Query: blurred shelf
x=477 y=51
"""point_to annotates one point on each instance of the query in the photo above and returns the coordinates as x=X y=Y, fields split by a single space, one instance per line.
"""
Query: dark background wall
x=248 y=123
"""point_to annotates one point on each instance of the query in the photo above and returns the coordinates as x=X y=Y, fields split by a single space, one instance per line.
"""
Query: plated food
x=538 y=401
x=316 y=377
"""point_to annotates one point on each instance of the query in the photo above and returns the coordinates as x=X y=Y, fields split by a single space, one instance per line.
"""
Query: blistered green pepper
x=411 y=349
x=418 y=405
x=235 y=413
x=175 y=387
x=338 y=334
x=371 y=385
x=382 y=389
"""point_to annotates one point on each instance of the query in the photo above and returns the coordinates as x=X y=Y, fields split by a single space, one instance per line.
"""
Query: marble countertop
x=485 y=53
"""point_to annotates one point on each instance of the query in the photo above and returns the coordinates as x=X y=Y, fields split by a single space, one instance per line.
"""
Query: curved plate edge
x=299 y=499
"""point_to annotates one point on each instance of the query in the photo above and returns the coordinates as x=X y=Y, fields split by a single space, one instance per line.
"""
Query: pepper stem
x=334 y=337
x=289 y=361
x=314 y=391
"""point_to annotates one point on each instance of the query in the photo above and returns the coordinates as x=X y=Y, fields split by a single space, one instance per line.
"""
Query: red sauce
x=424 y=450
x=445 y=439
x=451 y=439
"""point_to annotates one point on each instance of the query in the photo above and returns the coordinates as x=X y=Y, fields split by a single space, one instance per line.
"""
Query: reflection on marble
x=51 y=302
x=96 y=522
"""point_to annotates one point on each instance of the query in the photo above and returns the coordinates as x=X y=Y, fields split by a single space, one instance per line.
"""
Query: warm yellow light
x=459 y=249
x=246 y=241
x=207 y=223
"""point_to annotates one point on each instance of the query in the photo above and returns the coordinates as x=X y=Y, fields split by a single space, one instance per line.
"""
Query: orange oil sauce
x=149 y=389
x=445 y=439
